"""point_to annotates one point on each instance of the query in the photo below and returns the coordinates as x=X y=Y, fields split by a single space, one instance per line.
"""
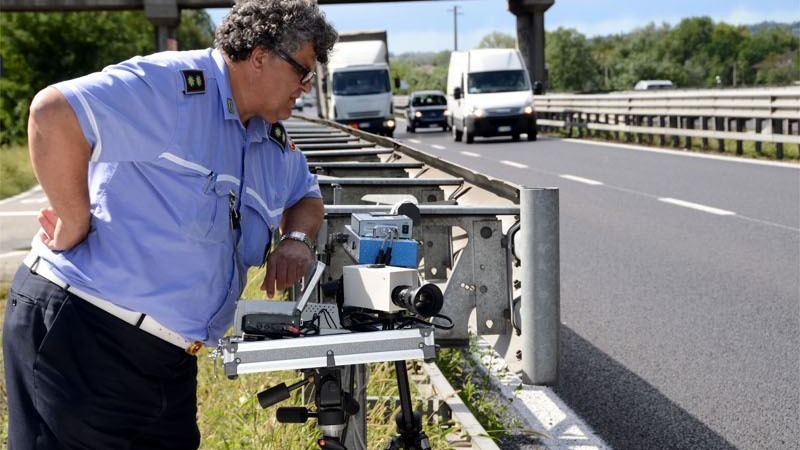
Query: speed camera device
x=390 y=289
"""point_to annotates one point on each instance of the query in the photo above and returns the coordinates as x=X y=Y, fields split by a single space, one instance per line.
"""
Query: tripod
x=409 y=422
x=334 y=405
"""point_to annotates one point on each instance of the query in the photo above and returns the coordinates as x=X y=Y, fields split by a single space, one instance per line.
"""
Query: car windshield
x=361 y=82
x=498 y=81
x=429 y=100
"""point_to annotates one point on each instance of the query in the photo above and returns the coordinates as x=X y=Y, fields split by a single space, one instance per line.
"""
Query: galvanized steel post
x=541 y=285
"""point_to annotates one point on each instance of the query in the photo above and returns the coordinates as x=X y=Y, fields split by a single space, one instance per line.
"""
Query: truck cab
x=355 y=88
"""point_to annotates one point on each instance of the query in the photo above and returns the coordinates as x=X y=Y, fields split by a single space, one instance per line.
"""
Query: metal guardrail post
x=541 y=285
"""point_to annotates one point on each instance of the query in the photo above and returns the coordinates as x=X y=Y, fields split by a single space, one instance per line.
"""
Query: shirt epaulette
x=278 y=134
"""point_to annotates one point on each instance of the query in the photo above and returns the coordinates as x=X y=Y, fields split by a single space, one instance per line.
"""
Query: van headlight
x=478 y=112
x=389 y=123
x=527 y=110
x=418 y=114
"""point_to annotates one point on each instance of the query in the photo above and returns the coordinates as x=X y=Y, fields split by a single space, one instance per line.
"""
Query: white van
x=489 y=94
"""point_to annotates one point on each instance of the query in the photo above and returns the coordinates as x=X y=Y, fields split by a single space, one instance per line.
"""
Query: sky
x=428 y=25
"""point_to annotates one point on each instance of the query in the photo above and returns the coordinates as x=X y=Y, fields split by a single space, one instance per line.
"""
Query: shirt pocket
x=206 y=210
x=258 y=224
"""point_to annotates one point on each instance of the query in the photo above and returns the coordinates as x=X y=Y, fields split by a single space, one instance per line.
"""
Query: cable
x=332 y=322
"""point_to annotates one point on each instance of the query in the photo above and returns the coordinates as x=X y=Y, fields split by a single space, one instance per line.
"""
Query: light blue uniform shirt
x=166 y=157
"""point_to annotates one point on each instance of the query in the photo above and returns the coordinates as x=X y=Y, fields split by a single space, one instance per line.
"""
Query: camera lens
x=424 y=301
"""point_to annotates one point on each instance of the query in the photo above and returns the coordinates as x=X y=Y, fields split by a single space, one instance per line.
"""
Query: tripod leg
x=409 y=422
x=356 y=431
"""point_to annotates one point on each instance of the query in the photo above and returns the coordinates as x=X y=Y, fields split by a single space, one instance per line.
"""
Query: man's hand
x=286 y=265
x=58 y=235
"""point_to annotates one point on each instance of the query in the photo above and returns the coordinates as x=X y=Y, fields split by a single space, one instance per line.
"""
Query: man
x=167 y=176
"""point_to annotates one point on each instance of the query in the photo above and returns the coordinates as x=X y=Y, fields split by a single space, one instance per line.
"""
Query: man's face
x=281 y=86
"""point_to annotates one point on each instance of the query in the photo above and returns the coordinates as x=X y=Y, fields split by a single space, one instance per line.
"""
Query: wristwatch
x=298 y=236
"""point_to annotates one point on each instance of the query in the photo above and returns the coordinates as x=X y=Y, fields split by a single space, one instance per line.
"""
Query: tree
x=570 y=62
x=497 y=39
x=40 y=49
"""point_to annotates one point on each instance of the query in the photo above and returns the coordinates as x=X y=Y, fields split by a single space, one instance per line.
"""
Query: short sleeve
x=303 y=183
x=127 y=112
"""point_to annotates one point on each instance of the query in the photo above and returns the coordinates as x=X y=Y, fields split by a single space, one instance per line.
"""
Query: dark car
x=426 y=109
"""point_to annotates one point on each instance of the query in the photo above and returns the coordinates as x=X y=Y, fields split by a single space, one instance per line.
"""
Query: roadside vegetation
x=230 y=417
x=692 y=54
x=16 y=173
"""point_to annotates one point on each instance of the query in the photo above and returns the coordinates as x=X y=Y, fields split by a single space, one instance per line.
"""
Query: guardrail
x=468 y=228
x=476 y=236
x=757 y=115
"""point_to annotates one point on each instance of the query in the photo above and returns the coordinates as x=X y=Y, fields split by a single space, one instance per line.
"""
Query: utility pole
x=455 y=26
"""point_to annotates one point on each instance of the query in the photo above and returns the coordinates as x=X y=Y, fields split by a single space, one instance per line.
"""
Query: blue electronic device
x=365 y=250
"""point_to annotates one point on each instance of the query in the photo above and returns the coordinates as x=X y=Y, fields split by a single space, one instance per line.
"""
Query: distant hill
x=793 y=27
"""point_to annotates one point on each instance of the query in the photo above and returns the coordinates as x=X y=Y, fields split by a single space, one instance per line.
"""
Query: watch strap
x=299 y=236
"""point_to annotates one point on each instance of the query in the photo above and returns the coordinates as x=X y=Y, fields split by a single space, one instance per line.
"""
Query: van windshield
x=497 y=81
x=361 y=82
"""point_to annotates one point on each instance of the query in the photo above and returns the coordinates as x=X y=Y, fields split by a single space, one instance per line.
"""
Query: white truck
x=489 y=94
x=354 y=88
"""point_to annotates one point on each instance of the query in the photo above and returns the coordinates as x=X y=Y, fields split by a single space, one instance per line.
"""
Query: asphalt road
x=680 y=296
x=17 y=226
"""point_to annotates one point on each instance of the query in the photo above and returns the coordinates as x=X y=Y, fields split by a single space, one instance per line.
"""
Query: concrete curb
x=538 y=407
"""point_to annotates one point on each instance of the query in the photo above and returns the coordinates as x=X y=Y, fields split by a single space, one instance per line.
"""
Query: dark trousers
x=79 y=378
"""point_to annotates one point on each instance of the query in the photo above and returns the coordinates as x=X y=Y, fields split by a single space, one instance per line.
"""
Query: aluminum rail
x=501 y=188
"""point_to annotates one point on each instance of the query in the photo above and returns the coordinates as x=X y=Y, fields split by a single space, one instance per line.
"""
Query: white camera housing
x=370 y=286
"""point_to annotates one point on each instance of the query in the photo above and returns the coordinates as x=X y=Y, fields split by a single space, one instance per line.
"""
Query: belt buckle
x=194 y=347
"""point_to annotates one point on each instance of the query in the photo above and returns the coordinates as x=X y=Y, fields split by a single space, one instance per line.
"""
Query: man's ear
x=259 y=58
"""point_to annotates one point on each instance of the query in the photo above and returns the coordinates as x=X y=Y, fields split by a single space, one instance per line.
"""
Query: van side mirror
x=457 y=92
x=397 y=82
x=538 y=88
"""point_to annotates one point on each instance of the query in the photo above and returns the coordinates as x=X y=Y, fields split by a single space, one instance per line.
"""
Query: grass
x=230 y=417
x=16 y=173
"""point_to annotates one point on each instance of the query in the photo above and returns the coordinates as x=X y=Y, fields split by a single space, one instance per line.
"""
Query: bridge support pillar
x=165 y=17
x=530 y=35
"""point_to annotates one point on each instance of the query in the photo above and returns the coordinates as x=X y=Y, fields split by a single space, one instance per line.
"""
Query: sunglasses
x=306 y=74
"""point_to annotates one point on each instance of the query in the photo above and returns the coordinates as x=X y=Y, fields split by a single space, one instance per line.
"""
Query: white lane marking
x=582 y=180
x=697 y=206
x=33 y=200
x=415 y=141
x=18 y=213
x=21 y=195
x=690 y=154
x=440 y=147
x=14 y=253
x=514 y=164
x=474 y=155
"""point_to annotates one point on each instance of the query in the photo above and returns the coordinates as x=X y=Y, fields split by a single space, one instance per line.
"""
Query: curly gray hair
x=274 y=24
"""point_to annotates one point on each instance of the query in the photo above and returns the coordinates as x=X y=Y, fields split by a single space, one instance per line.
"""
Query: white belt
x=139 y=320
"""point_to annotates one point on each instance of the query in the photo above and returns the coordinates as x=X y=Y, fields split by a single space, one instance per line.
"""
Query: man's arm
x=60 y=158
x=290 y=260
